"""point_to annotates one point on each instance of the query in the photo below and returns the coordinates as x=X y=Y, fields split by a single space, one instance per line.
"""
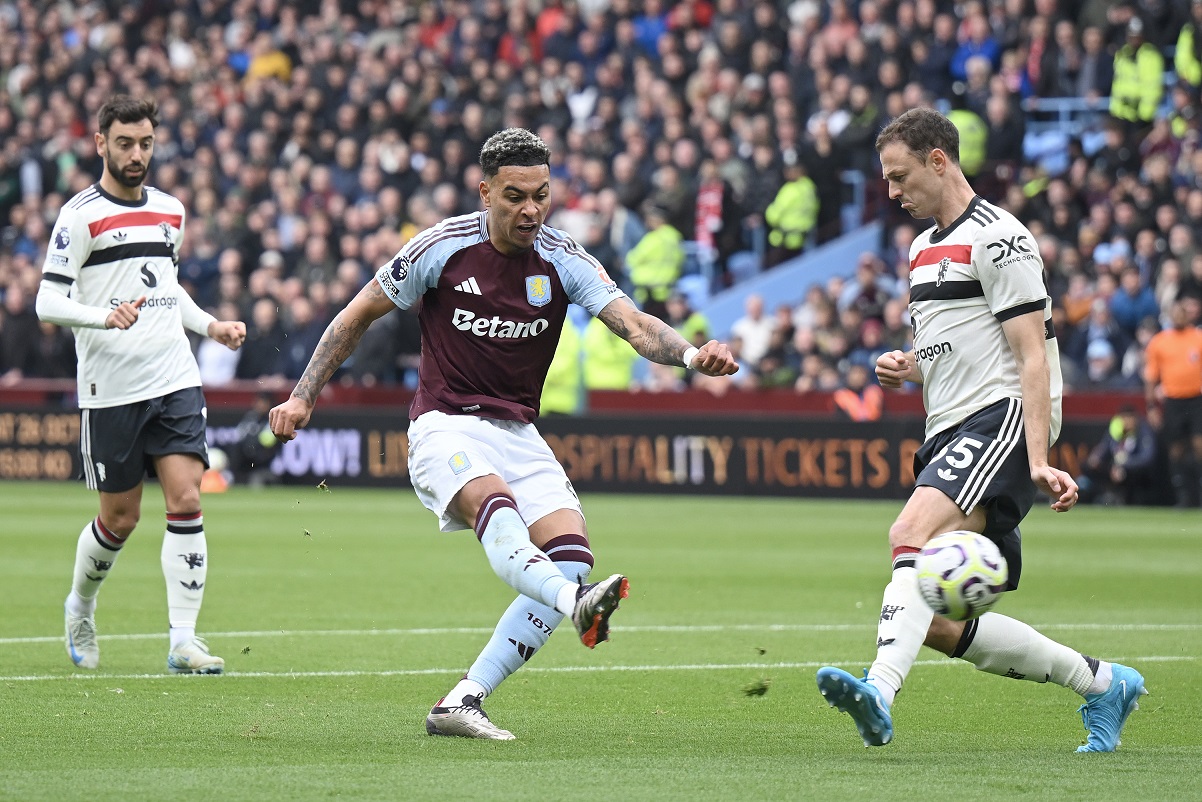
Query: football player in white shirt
x=986 y=355
x=110 y=274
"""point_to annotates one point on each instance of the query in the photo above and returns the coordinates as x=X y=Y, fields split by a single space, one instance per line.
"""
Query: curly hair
x=921 y=131
x=126 y=109
x=513 y=147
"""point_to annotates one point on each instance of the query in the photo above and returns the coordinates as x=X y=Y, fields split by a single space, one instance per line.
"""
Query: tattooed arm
x=656 y=340
x=339 y=342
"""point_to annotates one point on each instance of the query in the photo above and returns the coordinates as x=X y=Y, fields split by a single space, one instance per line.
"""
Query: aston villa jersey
x=490 y=322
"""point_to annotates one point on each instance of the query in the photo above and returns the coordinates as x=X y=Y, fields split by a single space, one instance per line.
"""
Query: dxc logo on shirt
x=1009 y=246
x=496 y=327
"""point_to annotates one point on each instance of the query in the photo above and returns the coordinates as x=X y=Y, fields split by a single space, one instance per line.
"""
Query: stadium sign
x=737 y=455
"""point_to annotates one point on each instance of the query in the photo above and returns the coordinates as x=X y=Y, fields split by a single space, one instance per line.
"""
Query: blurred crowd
x=310 y=140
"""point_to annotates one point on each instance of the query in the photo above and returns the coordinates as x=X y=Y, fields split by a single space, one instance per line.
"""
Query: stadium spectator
x=1133 y=301
x=562 y=391
x=1187 y=55
x=1173 y=392
x=860 y=399
x=919 y=158
x=1121 y=468
x=20 y=337
x=608 y=363
x=866 y=294
x=977 y=40
x=654 y=264
x=718 y=215
x=792 y=215
x=260 y=355
x=753 y=330
x=139 y=385
x=475 y=458
x=1102 y=369
x=1138 y=83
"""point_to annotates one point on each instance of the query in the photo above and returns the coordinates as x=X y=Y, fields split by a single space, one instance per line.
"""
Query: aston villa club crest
x=459 y=462
x=538 y=290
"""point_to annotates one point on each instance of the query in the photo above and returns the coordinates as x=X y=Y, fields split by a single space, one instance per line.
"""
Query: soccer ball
x=961 y=574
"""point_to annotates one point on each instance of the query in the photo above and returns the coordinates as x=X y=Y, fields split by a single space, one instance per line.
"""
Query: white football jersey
x=965 y=280
x=109 y=251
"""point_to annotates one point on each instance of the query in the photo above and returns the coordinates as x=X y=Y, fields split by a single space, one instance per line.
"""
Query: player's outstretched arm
x=229 y=333
x=655 y=340
x=895 y=368
x=338 y=342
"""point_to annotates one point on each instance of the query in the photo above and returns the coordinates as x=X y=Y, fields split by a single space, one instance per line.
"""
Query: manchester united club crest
x=944 y=264
x=167 y=238
x=538 y=290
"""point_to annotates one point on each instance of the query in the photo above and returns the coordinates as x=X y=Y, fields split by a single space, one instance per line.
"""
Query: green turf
x=301 y=577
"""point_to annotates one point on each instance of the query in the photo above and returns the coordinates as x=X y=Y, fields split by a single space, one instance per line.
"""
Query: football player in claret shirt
x=986 y=356
x=494 y=288
x=110 y=274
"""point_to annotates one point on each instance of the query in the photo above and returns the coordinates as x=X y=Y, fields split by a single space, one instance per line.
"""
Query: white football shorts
x=448 y=451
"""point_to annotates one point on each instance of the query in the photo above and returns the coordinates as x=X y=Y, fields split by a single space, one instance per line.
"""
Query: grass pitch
x=343 y=615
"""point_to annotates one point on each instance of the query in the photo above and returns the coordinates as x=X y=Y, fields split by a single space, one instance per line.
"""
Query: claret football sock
x=905 y=619
x=522 y=565
x=998 y=644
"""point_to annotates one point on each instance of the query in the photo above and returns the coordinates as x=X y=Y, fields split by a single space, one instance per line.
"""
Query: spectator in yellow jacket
x=1187 y=60
x=562 y=389
x=654 y=264
x=1138 y=80
x=608 y=359
x=791 y=217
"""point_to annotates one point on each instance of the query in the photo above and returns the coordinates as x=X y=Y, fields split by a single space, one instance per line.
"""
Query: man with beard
x=111 y=275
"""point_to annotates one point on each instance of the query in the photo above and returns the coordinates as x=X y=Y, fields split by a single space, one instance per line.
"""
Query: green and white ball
x=961 y=574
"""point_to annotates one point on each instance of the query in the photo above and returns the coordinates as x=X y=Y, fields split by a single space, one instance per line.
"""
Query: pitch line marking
x=416 y=672
x=667 y=628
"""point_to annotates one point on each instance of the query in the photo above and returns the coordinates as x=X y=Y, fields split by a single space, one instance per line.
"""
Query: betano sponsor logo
x=496 y=327
x=932 y=351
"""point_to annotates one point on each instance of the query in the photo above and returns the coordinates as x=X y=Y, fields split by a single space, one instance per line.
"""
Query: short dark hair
x=513 y=147
x=921 y=131
x=126 y=109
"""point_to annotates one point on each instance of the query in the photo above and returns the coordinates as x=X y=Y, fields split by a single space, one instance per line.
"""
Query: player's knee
x=903 y=534
x=184 y=501
x=121 y=522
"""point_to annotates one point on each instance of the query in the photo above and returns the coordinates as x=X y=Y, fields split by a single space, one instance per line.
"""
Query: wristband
x=690 y=354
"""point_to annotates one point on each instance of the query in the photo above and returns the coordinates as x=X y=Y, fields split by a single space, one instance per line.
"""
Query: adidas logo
x=469 y=286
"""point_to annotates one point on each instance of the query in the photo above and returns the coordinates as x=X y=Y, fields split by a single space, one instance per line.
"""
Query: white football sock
x=1101 y=678
x=905 y=619
x=466 y=687
x=95 y=553
x=1009 y=648
x=185 y=561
